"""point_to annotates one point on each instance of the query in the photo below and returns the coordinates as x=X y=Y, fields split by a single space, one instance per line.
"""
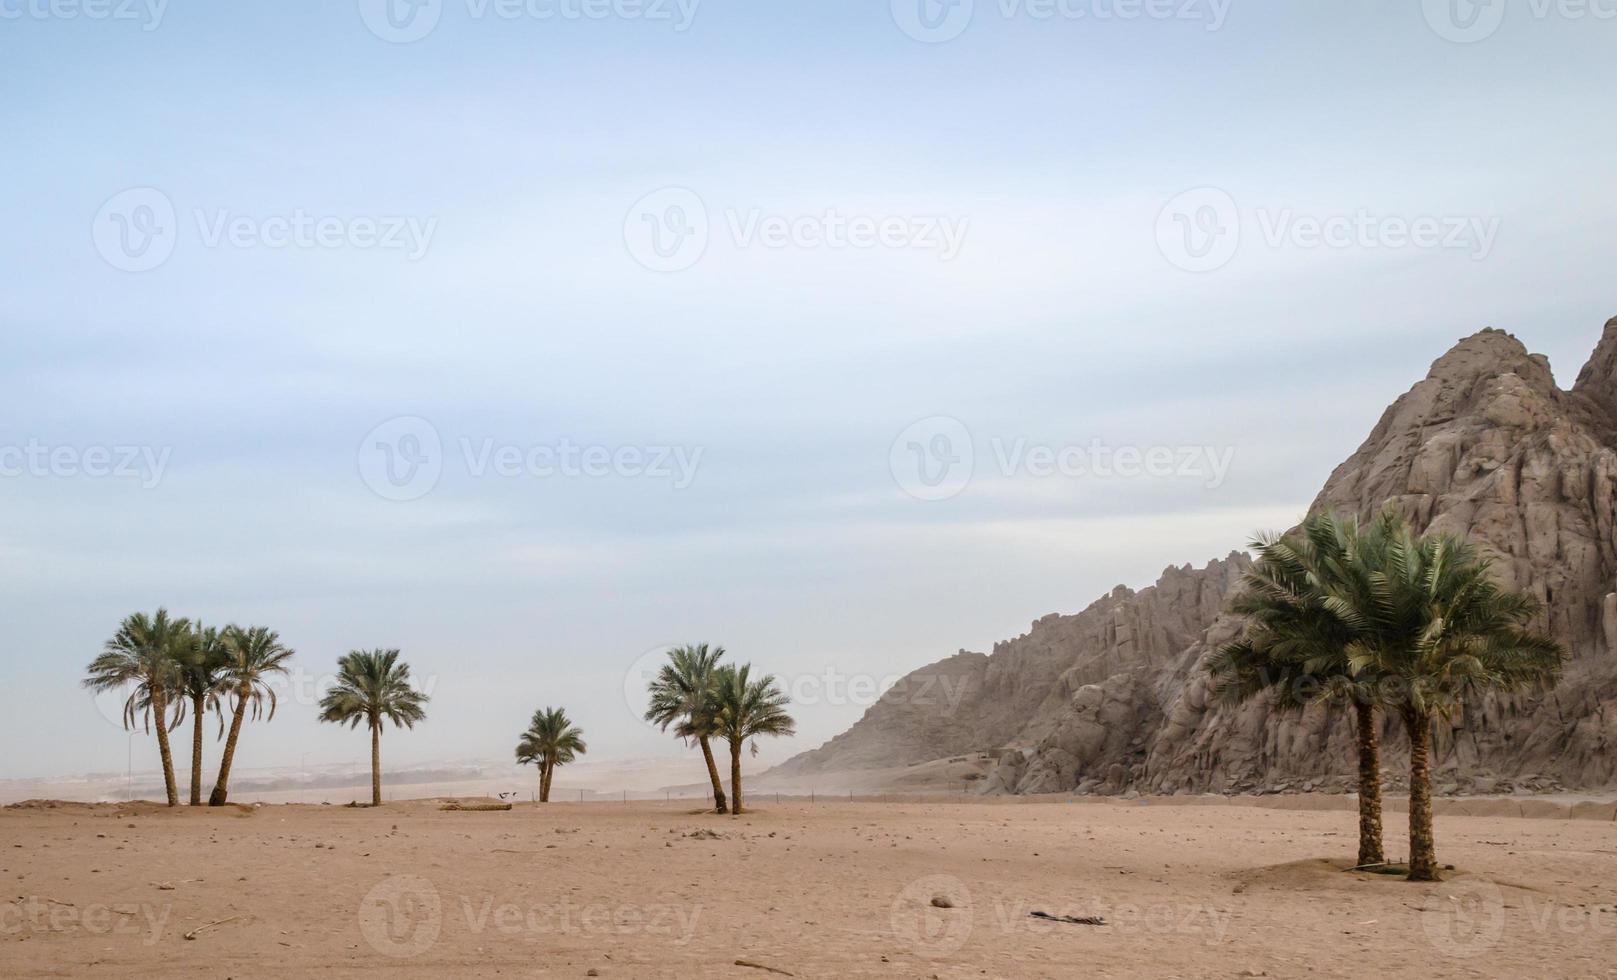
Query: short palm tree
x=551 y=740
x=371 y=686
x=146 y=653
x=250 y=657
x=747 y=708
x=1300 y=601
x=199 y=691
x=682 y=695
x=1441 y=631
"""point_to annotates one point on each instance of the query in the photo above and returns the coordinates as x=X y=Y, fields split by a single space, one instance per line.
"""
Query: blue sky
x=525 y=159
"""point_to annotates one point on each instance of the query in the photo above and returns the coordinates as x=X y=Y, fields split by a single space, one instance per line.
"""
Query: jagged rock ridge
x=1114 y=699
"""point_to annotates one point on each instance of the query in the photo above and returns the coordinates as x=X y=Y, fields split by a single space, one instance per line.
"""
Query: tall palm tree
x=747 y=708
x=373 y=685
x=1301 y=601
x=682 y=695
x=146 y=652
x=1441 y=631
x=200 y=667
x=251 y=657
x=551 y=740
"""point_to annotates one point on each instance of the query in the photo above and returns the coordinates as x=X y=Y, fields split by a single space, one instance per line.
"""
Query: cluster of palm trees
x=173 y=667
x=1387 y=621
x=705 y=700
x=176 y=667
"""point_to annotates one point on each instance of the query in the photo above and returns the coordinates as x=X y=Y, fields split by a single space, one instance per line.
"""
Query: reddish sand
x=825 y=890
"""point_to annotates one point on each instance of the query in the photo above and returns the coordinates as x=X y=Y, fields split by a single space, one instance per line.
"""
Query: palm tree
x=551 y=740
x=1300 y=602
x=251 y=656
x=200 y=669
x=748 y=708
x=1440 y=631
x=373 y=685
x=146 y=652
x=682 y=696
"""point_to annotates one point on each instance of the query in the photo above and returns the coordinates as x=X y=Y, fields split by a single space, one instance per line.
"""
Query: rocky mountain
x=1115 y=699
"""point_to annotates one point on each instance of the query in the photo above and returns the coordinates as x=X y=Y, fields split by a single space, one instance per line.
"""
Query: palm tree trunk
x=196 y=750
x=221 y=786
x=1370 y=849
x=544 y=782
x=160 y=713
x=735 y=777
x=1422 y=846
x=376 y=763
x=713 y=774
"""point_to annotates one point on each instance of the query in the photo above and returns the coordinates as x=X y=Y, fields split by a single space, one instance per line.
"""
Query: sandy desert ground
x=832 y=889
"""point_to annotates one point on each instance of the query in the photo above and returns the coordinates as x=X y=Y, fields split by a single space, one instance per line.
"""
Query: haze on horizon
x=703 y=319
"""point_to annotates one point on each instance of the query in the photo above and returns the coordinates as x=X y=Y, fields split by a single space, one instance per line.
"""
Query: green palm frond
x=551 y=739
x=373 y=685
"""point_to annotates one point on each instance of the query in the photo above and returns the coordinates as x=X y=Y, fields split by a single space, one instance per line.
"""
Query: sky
x=532 y=337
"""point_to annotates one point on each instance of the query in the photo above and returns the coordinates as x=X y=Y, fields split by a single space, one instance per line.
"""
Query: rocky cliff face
x=1114 y=698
